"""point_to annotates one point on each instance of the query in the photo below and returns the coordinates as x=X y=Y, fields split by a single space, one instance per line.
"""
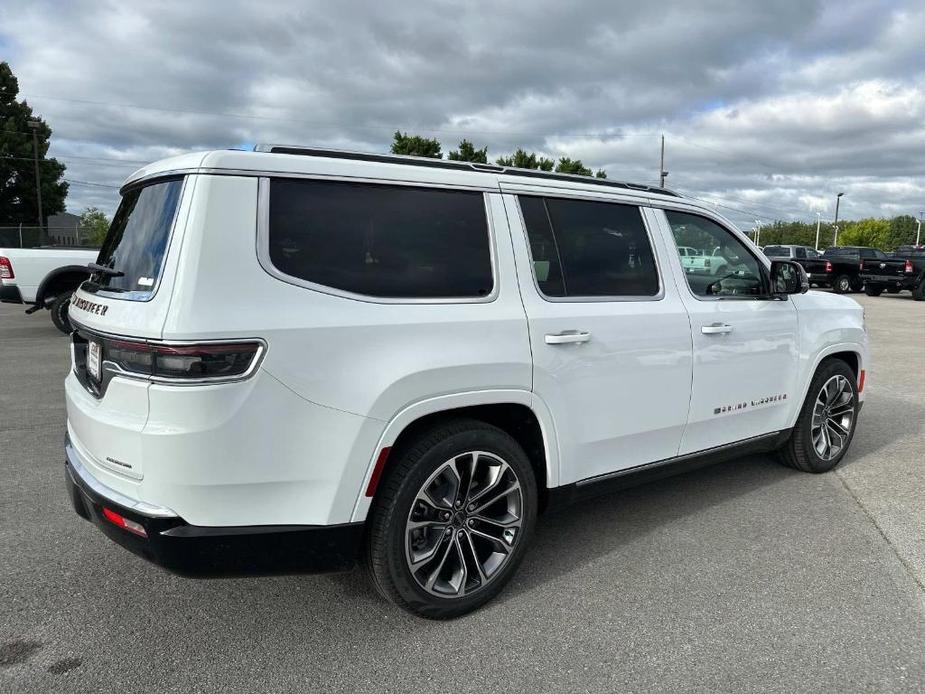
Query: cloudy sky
x=768 y=108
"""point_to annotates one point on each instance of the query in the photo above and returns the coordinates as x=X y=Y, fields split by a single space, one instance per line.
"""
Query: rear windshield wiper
x=103 y=270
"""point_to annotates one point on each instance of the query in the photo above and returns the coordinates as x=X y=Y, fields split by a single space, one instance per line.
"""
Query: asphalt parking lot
x=745 y=576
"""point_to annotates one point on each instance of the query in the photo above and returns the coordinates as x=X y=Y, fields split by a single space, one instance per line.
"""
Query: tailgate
x=884 y=267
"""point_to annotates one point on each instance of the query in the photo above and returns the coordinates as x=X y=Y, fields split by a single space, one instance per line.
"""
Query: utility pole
x=661 y=167
x=837 y=201
x=758 y=232
x=34 y=124
x=818 y=224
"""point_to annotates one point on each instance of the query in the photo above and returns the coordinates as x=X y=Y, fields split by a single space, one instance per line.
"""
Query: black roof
x=449 y=164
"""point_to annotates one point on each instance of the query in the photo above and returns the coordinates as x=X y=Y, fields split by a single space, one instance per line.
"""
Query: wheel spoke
x=500 y=471
x=470 y=462
x=435 y=574
x=496 y=541
x=485 y=503
x=475 y=558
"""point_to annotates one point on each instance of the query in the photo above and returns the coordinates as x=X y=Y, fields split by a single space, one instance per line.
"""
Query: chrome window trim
x=108 y=493
x=263 y=250
x=659 y=296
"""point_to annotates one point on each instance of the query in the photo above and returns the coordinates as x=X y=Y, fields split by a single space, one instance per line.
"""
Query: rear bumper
x=909 y=282
x=197 y=551
x=10 y=294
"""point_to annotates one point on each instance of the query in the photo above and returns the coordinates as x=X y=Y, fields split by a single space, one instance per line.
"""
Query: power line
x=90 y=183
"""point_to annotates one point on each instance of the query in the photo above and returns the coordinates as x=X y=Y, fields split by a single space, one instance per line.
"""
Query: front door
x=611 y=343
x=745 y=341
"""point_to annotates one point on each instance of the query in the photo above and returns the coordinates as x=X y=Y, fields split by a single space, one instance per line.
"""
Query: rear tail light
x=124 y=523
x=861 y=265
x=6 y=269
x=908 y=268
x=828 y=266
x=207 y=361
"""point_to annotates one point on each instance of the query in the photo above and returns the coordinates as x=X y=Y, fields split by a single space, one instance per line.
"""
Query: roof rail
x=460 y=165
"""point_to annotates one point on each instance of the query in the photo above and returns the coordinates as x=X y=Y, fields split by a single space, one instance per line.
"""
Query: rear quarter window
x=137 y=240
x=397 y=242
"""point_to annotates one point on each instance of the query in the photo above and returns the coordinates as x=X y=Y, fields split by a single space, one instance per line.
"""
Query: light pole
x=918 y=232
x=758 y=233
x=837 y=201
x=818 y=224
x=34 y=124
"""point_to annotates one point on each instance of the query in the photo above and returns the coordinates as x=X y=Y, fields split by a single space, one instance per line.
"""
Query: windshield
x=136 y=243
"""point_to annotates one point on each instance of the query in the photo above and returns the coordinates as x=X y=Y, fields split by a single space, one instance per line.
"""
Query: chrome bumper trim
x=139 y=507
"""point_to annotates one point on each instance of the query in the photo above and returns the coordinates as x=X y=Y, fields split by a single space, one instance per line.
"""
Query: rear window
x=583 y=248
x=137 y=240
x=381 y=240
x=777 y=251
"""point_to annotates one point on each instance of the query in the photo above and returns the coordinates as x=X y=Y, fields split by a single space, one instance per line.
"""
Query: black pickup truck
x=905 y=269
x=839 y=267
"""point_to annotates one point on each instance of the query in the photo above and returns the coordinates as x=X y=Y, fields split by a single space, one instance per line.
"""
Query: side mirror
x=788 y=277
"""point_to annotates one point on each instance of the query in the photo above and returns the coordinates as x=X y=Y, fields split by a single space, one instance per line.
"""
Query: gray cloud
x=769 y=108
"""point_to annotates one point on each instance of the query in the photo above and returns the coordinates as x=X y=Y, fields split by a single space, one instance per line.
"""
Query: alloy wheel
x=833 y=417
x=464 y=524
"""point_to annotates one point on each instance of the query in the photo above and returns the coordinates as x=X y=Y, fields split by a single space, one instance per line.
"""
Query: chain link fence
x=32 y=236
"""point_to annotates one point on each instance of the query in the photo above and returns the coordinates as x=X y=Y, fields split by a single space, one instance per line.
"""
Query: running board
x=649 y=472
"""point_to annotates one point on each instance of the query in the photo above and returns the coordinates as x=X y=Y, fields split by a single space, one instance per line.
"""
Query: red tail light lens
x=124 y=523
x=861 y=265
x=6 y=269
x=909 y=269
x=212 y=361
x=828 y=266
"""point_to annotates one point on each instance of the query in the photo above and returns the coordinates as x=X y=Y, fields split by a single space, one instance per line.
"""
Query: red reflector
x=124 y=523
x=377 y=471
x=861 y=381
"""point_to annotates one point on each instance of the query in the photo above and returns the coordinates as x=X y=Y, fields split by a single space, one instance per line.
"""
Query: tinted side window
x=728 y=268
x=800 y=252
x=379 y=240
x=583 y=248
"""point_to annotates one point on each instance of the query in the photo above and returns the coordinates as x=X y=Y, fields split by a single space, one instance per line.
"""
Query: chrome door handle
x=567 y=337
x=716 y=329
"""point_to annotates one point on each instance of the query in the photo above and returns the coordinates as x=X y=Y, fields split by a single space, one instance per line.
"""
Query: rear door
x=745 y=342
x=610 y=337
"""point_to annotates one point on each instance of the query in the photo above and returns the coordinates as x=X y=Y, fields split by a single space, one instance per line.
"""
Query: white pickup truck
x=44 y=278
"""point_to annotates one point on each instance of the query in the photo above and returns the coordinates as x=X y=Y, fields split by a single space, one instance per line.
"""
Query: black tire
x=892 y=290
x=918 y=293
x=842 y=284
x=59 y=309
x=873 y=289
x=385 y=557
x=799 y=451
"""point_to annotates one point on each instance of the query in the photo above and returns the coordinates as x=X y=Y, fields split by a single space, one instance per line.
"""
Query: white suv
x=293 y=359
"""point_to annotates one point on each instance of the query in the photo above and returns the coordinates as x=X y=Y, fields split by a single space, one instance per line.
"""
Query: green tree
x=572 y=166
x=600 y=173
x=415 y=145
x=902 y=231
x=865 y=232
x=468 y=152
x=94 y=223
x=523 y=160
x=18 y=200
